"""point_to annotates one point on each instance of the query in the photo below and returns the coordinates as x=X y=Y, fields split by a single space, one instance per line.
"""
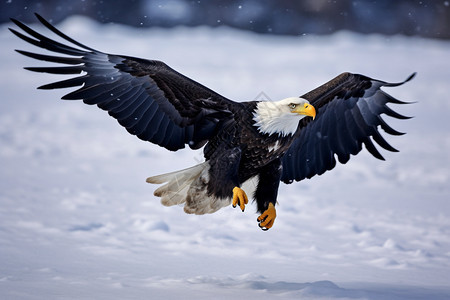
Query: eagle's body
x=247 y=145
x=238 y=153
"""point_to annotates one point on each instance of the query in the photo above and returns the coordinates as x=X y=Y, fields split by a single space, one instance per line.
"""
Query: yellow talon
x=267 y=218
x=239 y=198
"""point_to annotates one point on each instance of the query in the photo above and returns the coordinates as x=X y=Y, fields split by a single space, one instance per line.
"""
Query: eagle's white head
x=282 y=117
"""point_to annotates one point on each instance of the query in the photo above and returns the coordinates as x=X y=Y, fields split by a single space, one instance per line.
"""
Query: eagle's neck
x=275 y=118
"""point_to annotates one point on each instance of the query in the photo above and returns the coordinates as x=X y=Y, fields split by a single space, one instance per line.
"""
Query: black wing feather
x=51 y=58
x=349 y=109
x=147 y=97
x=55 y=30
x=56 y=70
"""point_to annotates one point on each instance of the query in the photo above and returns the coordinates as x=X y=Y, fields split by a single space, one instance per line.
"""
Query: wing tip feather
x=410 y=77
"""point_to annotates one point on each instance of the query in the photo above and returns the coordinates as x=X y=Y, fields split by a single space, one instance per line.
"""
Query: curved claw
x=263 y=228
x=267 y=218
x=239 y=198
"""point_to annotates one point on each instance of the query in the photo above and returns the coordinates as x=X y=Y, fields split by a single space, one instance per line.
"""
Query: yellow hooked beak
x=305 y=109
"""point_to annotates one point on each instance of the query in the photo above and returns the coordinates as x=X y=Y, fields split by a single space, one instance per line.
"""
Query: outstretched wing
x=147 y=97
x=349 y=109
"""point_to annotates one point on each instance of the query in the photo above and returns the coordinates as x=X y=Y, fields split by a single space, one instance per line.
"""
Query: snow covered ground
x=78 y=221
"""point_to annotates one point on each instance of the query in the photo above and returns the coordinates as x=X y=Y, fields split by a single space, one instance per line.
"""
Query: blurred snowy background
x=426 y=18
x=78 y=221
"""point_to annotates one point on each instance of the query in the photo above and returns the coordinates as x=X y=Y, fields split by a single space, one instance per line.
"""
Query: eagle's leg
x=239 y=198
x=267 y=218
x=266 y=193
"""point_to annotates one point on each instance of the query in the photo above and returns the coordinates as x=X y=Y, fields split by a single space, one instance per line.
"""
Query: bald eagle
x=245 y=144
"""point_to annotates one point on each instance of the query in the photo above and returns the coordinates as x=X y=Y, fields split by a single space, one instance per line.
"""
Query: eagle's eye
x=292 y=105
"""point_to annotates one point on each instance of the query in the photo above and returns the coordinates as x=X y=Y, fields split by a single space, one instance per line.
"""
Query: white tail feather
x=178 y=183
x=190 y=186
x=159 y=179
